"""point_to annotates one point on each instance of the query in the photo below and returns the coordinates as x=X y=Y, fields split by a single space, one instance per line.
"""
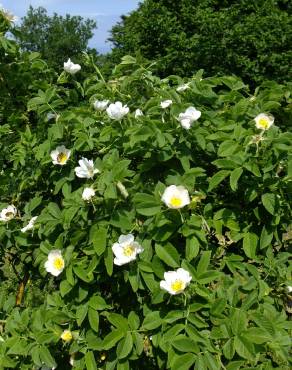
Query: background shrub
x=250 y=39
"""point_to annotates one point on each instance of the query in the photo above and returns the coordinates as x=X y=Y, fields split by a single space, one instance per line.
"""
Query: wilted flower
x=55 y=263
x=52 y=115
x=30 y=224
x=100 y=104
x=87 y=194
x=138 y=113
x=126 y=249
x=72 y=359
x=183 y=87
x=8 y=213
x=60 y=155
x=71 y=68
x=66 y=336
x=187 y=118
x=122 y=189
x=166 y=103
x=175 y=196
x=264 y=121
x=86 y=169
x=175 y=282
x=8 y=15
x=117 y=110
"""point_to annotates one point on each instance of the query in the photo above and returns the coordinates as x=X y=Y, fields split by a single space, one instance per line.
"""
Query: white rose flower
x=175 y=282
x=138 y=113
x=166 y=103
x=30 y=224
x=60 y=155
x=176 y=197
x=289 y=288
x=86 y=169
x=55 y=263
x=187 y=118
x=66 y=336
x=100 y=104
x=8 y=213
x=87 y=194
x=117 y=110
x=264 y=121
x=126 y=249
x=183 y=87
x=71 y=68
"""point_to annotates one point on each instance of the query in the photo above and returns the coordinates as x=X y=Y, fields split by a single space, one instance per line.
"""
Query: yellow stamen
x=62 y=158
x=58 y=263
x=177 y=285
x=9 y=214
x=128 y=250
x=264 y=123
x=66 y=336
x=175 y=202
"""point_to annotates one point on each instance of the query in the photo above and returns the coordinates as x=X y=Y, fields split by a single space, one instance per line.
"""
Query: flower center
x=177 y=285
x=128 y=250
x=62 y=158
x=67 y=336
x=175 y=202
x=9 y=214
x=58 y=263
x=264 y=123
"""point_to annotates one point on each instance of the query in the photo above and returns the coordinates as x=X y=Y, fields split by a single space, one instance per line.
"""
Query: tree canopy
x=249 y=39
x=56 y=37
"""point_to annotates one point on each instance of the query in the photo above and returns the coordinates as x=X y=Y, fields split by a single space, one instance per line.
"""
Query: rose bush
x=157 y=244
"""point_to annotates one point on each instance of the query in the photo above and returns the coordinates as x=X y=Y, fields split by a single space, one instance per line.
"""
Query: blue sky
x=105 y=12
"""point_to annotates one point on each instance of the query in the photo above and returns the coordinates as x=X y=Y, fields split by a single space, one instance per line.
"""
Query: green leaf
x=108 y=261
x=152 y=320
x=257 y=335
x=217 y=179
x=266 y=238
x=270 y=202
x=112 y=338
x=204 y=262
x=238 y=321
x=81 y=313
x=250 y=241
x=168 y=254
x=97 y=236
x=133 y=320
x=228 y=349
x=184 y=344
x=90 y=361
x=183 y=362
x=98 y=303
x=244 y=348
x=93 y=319
x=227 y=148
x=234 y=177
x=146 y=204
x=192 y=248
x=125 y=346
x=46 y=357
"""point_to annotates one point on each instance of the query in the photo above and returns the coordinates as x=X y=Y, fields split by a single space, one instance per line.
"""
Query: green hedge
x=250 y=39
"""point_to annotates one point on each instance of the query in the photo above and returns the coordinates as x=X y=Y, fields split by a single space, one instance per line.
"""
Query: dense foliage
x=247 y=38
x=92 y=310
x=55 y=37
